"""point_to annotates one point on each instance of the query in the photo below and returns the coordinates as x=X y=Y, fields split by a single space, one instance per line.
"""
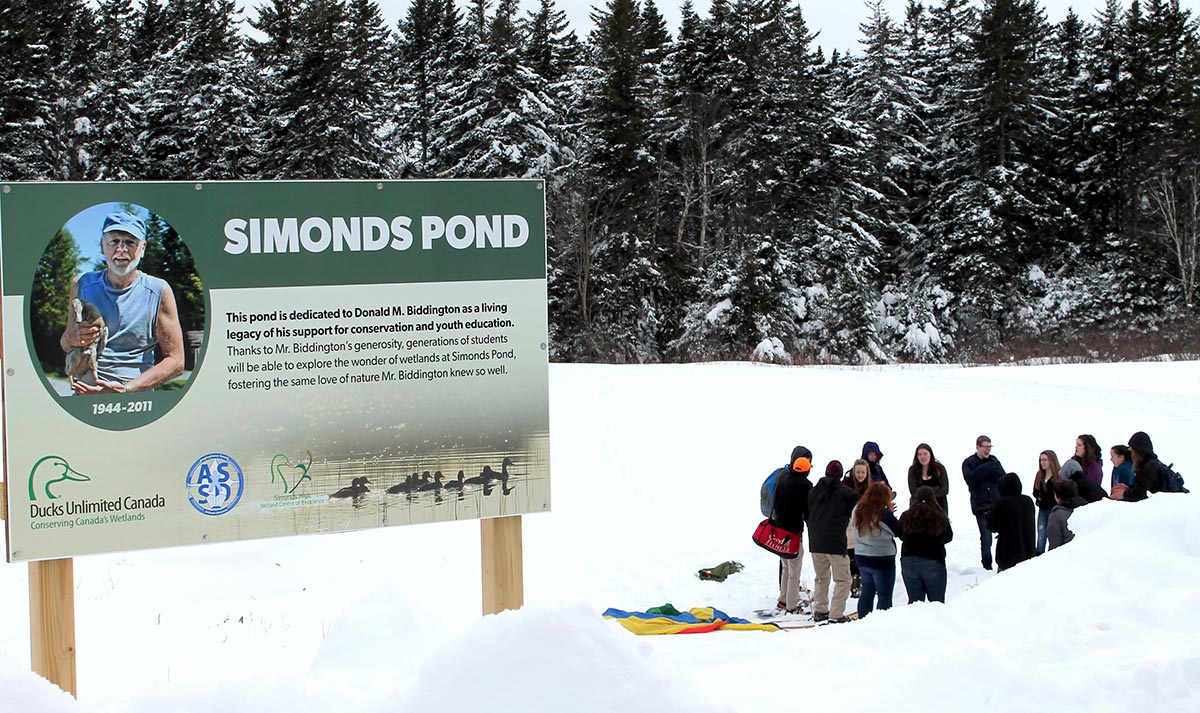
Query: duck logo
x=282 y=468
x=215 y=484
x=50 y=471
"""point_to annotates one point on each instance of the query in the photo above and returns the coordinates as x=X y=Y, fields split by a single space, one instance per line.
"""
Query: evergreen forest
x=972 y=183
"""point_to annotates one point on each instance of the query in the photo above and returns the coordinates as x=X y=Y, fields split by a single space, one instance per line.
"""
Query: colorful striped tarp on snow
x=668 y=620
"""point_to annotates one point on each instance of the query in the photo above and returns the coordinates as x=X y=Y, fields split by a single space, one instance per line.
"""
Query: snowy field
x=656 y=473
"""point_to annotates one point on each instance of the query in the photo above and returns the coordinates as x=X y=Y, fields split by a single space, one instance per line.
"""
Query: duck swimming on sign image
x=408 y=486
x=357 y=487
x=502 y=476
x=456 y=484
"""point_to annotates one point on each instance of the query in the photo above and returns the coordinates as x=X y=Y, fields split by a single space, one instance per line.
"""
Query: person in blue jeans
x=875 y=528
x=982 y=472
x=925 y=530
x=1043 y=494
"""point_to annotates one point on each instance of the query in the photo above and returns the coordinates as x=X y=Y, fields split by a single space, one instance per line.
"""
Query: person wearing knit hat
x=142 y=339
x=829 y=507
x=790 y=513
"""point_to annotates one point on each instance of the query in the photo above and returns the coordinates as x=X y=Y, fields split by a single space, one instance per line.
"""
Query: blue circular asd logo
x=215 y=484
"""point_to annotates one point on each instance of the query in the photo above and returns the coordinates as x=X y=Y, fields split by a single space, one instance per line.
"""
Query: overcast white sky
x=837 y=20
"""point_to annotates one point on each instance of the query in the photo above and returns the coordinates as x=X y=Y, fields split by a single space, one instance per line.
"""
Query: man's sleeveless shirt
x=131 y=315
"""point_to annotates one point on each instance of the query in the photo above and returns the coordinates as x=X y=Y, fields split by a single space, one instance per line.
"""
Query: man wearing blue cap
x=139 y=312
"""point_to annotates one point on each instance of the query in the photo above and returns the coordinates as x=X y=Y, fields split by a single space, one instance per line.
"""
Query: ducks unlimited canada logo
x=52 y=474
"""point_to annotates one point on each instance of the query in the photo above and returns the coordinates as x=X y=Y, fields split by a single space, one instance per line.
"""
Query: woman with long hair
x=926 y=470
x=858 y=478
x=925 y=530
x=1087 y=454
x=875 y=529
x=1043 y=493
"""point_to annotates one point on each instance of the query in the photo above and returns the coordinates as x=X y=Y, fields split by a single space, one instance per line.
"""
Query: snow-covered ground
x=656 y=472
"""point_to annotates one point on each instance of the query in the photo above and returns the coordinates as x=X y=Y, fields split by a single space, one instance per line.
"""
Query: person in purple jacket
x=1087 y=454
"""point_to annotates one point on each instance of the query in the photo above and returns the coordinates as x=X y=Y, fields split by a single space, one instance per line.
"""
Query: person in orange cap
x=790 y=512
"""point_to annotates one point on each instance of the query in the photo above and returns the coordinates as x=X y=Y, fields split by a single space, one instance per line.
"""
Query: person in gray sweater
x=875 y=529
x=1057 y=532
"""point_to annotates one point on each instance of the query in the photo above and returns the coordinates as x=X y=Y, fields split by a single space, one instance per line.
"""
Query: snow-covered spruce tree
x=550 y=46
x=196 y=98
x=430 y=49
x=1013 y=115
x=884 y=107
x=111 y=101
x=973 y=221
x=551 y=49
x=1063 y=289
x=48 y=60
x=955 y=221
x=684 y=132
x=619 y=266
x=760 y=184
x=1105 y=198
x=309 y=133
x=1168 y=163
x=842 y=258
x=499 y=119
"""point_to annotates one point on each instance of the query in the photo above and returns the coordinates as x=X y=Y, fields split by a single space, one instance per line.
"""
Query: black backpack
x=1171 y=482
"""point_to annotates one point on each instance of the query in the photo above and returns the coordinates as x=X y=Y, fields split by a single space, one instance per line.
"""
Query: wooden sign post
x=52 y=622
x=503 y=569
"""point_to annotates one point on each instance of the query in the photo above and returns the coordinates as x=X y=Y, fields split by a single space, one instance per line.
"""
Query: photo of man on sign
x=120 y=326
x=133 y=315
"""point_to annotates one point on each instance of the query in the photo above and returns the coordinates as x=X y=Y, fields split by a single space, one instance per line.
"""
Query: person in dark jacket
x=927 y=470
x=829 y=506
x=1147 y=471
x=982 y=473
x=872 y=455
x=790 y=512
x=1057 y=532
x=1012 y=519
x=1088 y=489
x=925 y=530
x=1043 y=493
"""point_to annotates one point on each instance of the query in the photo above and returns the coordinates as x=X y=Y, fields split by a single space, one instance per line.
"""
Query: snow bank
x=22 y=691
x=545 y=660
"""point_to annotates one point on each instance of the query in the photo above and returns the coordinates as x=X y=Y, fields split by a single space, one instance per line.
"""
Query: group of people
x=852 y=524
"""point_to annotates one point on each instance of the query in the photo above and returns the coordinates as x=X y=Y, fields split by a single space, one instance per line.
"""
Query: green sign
x=201 y=362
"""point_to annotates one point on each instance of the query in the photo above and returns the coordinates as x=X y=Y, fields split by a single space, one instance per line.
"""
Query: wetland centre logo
x=288 y=477
x=54 y=503
x=215 y=484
